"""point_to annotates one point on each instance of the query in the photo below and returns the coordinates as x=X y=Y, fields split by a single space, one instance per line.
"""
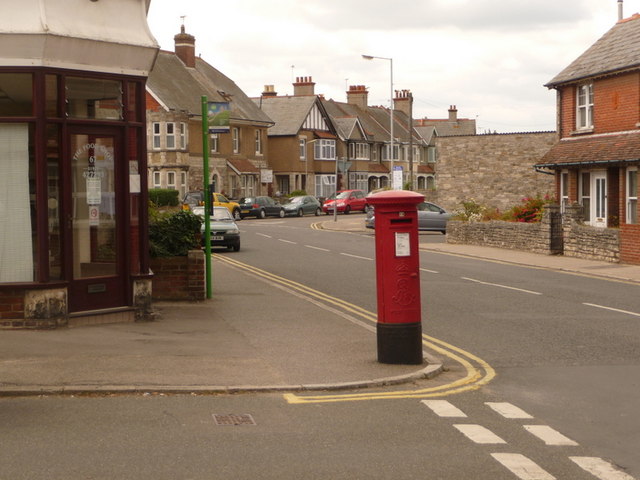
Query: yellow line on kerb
x=478 y=372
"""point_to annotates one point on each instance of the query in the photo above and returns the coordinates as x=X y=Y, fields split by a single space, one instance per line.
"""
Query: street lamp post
x=371 y=57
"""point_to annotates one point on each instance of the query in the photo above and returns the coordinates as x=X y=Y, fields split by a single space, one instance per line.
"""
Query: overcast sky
x=490 y=58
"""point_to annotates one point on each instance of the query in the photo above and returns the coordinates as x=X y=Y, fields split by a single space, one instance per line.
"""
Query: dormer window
x=584 y=113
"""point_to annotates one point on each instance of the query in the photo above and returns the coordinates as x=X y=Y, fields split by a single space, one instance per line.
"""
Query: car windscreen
x=221 y=214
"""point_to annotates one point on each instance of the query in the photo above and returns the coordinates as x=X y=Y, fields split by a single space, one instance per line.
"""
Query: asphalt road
x=563 y=403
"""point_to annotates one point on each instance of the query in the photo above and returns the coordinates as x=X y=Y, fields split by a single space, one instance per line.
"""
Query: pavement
x=253 y=335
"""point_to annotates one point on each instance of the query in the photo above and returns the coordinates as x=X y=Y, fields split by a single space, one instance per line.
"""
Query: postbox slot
x=401 y=220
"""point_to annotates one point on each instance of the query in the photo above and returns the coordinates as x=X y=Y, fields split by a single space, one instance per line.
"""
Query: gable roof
x=616 y=51
x=180 y=88
x=288 y=112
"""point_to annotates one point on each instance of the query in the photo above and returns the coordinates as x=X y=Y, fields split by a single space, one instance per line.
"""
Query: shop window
x=16 y=95
x=17 y=189
x=93 y=98
x=51 y=95
x=53 y=203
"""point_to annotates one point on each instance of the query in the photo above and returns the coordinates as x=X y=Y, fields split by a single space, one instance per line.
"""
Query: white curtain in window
x=16 y=258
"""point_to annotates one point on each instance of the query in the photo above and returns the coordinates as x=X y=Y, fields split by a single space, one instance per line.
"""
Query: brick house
x=595 y=161
x=174 y=127
x=352 y=133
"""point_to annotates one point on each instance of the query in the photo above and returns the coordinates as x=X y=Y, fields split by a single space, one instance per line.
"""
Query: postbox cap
x=395 y=197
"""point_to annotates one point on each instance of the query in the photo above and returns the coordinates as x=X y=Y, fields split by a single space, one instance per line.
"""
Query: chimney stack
x=620 y=13
x=358 y=95
x=304 y=86
x=402 y=101
x=269 y=91
x=185 y=47
x=453 y=113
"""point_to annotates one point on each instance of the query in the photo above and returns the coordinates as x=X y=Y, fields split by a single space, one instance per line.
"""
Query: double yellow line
x=478 y=372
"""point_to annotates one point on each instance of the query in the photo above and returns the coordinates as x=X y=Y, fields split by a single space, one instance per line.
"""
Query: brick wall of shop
x=179 y=278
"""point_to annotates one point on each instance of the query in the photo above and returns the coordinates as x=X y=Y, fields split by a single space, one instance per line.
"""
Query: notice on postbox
x=403 y=247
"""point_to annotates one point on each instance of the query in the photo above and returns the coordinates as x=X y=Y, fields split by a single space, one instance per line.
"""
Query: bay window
x=325 y=150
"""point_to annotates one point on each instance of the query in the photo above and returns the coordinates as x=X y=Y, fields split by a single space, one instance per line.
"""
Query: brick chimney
x=185 y=47
x=402 y=101
x=453 y=113
x=304 y=86
x=269 y=91
x=358 y=95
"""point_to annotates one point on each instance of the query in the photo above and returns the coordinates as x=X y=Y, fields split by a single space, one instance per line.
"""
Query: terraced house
x=317 y=143
x=596 y=159
x=238 y=159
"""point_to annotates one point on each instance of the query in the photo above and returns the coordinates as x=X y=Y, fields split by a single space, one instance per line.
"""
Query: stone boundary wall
x=577 y=240
x=592 y=243
x=179 y=278
x=529 y=237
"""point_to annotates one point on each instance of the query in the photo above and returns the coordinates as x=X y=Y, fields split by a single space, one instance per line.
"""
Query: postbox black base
x=400 y=343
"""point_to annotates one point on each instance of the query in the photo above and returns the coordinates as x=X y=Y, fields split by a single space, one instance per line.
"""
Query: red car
x=346 y=201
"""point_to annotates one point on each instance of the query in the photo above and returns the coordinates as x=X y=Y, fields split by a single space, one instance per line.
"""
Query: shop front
x=73 y=216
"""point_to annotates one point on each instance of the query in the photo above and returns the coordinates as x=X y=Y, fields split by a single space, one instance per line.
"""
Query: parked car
x=346 y=201
x=302 y=205
x=223 y=228
x=431 y=217
x=194 y=199
x=260 y=207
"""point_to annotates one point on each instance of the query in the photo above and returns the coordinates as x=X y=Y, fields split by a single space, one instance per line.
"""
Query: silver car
x=431 y=218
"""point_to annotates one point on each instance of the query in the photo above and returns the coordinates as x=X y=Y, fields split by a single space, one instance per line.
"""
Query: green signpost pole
x=207 y=193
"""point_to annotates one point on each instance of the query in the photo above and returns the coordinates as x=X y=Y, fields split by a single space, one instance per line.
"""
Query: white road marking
x=612 y=309
x=443 y=408
x=264 y=235
x=479 y=434
x=508 y=410
x=549 y=436
x=318 y=248
x=522 y=467
x=600 y=469
x=356 y=256
x=287 y=241
x=502 y=286
x=428 y=271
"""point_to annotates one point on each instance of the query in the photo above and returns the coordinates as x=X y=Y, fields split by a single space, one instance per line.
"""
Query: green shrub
x=174 y=234
x=163 y=197
x=297 y=193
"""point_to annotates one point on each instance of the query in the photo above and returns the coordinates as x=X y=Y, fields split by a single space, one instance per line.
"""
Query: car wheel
x=299 y=212
x=262 y=214
x=347 y=209
x=318 y=211
x=236 y=215
x=281 y=213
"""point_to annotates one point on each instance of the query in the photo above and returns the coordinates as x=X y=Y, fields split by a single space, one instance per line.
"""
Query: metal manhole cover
x=234 y=419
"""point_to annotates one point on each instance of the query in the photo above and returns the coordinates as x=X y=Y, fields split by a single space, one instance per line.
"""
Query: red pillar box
x=399 y=327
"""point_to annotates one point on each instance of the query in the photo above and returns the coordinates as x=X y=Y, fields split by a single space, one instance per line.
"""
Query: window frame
x=170 y=136
x=235 y=139
x=584 y=106
x=324 y=149
x=156 y=136
x=258 y=141
x=183 y=136
x=632 y=213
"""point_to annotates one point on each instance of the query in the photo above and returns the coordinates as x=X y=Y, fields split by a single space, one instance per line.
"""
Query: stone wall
x=179 y=278
x=531 y=237
x=494 y=170
x=555 y=234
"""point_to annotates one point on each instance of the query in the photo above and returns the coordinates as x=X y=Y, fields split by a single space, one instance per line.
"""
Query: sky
x=489 y=58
